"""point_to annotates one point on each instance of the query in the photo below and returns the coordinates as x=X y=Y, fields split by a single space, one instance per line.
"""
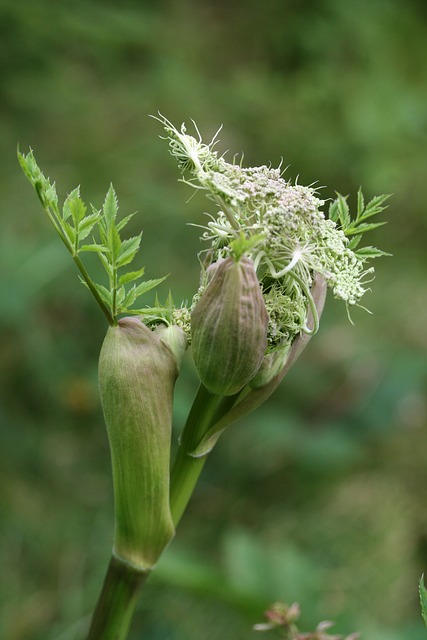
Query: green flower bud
x=229 y=328
x=271 y=365
x=175 y=338
x=137 y=373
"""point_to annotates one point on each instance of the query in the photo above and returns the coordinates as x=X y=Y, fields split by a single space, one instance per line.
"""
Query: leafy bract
x=75 y=222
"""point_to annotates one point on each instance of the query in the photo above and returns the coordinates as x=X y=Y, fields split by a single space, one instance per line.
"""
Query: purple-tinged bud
x=229 y=328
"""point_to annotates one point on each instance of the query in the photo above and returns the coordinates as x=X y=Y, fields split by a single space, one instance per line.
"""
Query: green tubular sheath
x=137 y=373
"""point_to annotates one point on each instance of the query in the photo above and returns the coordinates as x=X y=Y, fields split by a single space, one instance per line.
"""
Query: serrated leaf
x=106 y=263
x=120 y=225
x=371 y=252
x=128 y=250
x=70 y=232
x=74 y=207
x=343 y=211
x=130 y=276
x=363 y=228
x=374 y=207
x=423 y=599
x=30 y=167
x=104 y=293
x=90 y=221
x=333 y=211
x=51 y=196
x=103 y=232
x=169 y=304
x=84 y=233
x=120 y=296
x=150 y=313
x=354 y=242
x=148 y=285
x=114 y=243
x=110 y=206
x=130 y=297
x=23 y=161
x=360 y=203
x=98 y=248
x=66 y=210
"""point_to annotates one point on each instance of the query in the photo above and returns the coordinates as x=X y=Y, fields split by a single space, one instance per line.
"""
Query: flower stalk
x=115 y=608
x=206 y=410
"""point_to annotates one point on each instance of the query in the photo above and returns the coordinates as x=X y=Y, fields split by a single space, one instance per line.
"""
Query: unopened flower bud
x=137 y=373
x=229 y=328
x=271 y=365
x=175 y=338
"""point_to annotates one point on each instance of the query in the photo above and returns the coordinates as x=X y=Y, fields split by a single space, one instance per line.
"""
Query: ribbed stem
x=207 y=408
x=113 y=614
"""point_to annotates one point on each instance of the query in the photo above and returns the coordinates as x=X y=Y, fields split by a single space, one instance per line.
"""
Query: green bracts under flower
x=229 y=328
x=137 y=373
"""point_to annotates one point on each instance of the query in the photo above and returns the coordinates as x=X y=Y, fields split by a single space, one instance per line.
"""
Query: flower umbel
x=296 y=240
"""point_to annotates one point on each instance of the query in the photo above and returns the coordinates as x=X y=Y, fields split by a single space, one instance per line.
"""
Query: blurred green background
x=319 y=497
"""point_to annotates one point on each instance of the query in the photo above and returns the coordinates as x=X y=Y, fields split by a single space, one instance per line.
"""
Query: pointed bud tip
x=229 y=327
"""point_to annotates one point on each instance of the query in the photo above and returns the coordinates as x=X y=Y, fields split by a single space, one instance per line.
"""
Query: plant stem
x=113 y=614
x=206 y=409
x=92 y=289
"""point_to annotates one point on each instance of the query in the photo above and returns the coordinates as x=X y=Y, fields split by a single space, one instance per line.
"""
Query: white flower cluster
x=295 y=239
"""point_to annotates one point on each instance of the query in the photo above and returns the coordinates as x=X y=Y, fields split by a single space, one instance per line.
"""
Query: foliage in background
x=338 y=90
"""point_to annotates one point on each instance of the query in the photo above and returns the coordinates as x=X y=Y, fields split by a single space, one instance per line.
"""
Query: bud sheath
x=137 y=373
x=229 y=328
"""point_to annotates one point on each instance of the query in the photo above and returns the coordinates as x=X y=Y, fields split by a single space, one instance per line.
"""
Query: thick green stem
x=207 y=408
x=114 y=611
x=122 y=584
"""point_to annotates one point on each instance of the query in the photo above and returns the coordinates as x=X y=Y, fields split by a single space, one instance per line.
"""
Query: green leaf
x=74 y=207
x=70 y=232
x=423 y=599
x=120 y=225
x=354 y=241
x=106 y=263
x=363 y=228
x=128 y=250
x=45 y=190
x=120 y=296
x=103 y=291
x=90 y=221
x=374 y=207
x=98 y=248
x=148 y=285
x=333 y=211
x=130 y=276
x=105 y=294
x=371 y=252
x=343 y=211
x=114 y=243
x=51 y=197
x=30 y=167
x=130 y=298
x=242 y=245
x=360 y=203
x=110 y=207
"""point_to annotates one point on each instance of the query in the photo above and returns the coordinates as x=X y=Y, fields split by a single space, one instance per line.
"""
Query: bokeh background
x=320 y=497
